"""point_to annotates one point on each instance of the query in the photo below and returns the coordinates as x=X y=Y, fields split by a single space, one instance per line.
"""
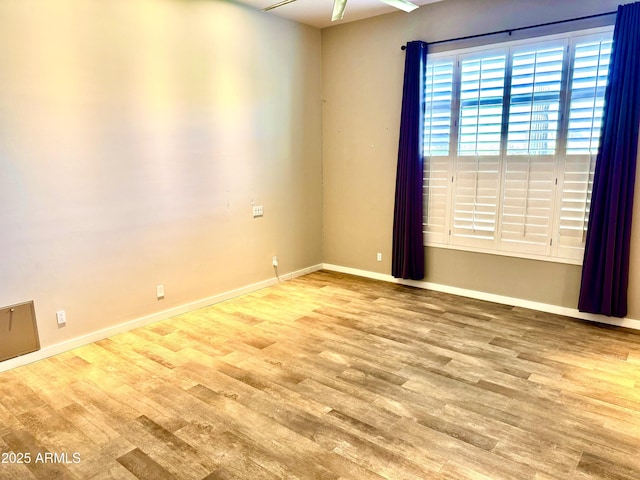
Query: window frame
x=442 y=237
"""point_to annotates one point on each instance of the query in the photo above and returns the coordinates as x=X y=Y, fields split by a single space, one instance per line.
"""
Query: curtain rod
x=511 y=30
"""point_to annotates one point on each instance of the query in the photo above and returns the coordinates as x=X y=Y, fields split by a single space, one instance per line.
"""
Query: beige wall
x=362 y=91
x=134 y=136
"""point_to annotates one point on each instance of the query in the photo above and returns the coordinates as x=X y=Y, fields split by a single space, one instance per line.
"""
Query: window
x=510 y=140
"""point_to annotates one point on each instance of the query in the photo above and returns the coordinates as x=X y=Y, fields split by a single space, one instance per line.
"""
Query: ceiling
x=317 y=13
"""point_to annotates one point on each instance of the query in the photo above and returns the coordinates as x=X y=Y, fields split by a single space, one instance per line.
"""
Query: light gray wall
x=134 y=136
x=362 y=92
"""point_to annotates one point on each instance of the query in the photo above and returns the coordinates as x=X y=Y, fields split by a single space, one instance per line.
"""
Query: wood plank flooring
x=330 y=376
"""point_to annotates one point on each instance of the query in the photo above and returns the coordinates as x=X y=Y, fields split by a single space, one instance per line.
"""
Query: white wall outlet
x=258 y=211
x=160 y=292
x=61 y=317
x=274 y=261
x=379 y=257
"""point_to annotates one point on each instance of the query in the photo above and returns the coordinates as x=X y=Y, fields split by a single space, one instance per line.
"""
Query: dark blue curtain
x=605 y=270
x=408 y=249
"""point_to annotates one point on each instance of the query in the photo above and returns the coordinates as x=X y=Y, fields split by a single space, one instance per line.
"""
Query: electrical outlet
x=160 y=292
x=61 y=317
x=379 y=257
x=258 y=211
x=275 y=261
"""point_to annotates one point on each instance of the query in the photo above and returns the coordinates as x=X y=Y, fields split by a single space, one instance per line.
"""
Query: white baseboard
x=490 y=297
x=67 y=345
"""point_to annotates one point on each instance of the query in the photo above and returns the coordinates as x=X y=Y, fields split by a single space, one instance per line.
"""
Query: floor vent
x=18 y=330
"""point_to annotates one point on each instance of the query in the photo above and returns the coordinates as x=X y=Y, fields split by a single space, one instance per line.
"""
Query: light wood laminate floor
x=330 y=376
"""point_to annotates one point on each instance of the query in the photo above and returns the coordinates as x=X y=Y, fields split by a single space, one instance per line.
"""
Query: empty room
x=317 y=239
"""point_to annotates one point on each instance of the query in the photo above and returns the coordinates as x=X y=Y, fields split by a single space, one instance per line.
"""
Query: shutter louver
x=437 y=132
x=527 y=204
x=536 y=80
x=529 y=166
x=588 y=84
x=436 y=184
x=438 y=96
x=590 y=72
x=575 y=204
x=475 y=200
x=477 y=179
x=481 y=103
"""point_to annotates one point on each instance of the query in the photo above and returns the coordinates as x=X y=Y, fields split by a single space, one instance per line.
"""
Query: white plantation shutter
x=475 y=201
x=529 y=166
x=481 y=102
x=590 y=72
x=477 y=167
x=527 y=204
x=438 y=97
x=437 y=132
x=575 y=204
x=436 y=184
x=511 y=137
x=534 y=105
x=588 y=84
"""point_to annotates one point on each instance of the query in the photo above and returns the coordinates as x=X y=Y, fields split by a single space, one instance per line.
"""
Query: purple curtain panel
x=605 y=269
x=408 y=250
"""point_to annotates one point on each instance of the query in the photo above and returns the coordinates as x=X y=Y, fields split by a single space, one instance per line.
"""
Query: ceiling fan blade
x=401 y=4
x=276 y=5
x=338 y=9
